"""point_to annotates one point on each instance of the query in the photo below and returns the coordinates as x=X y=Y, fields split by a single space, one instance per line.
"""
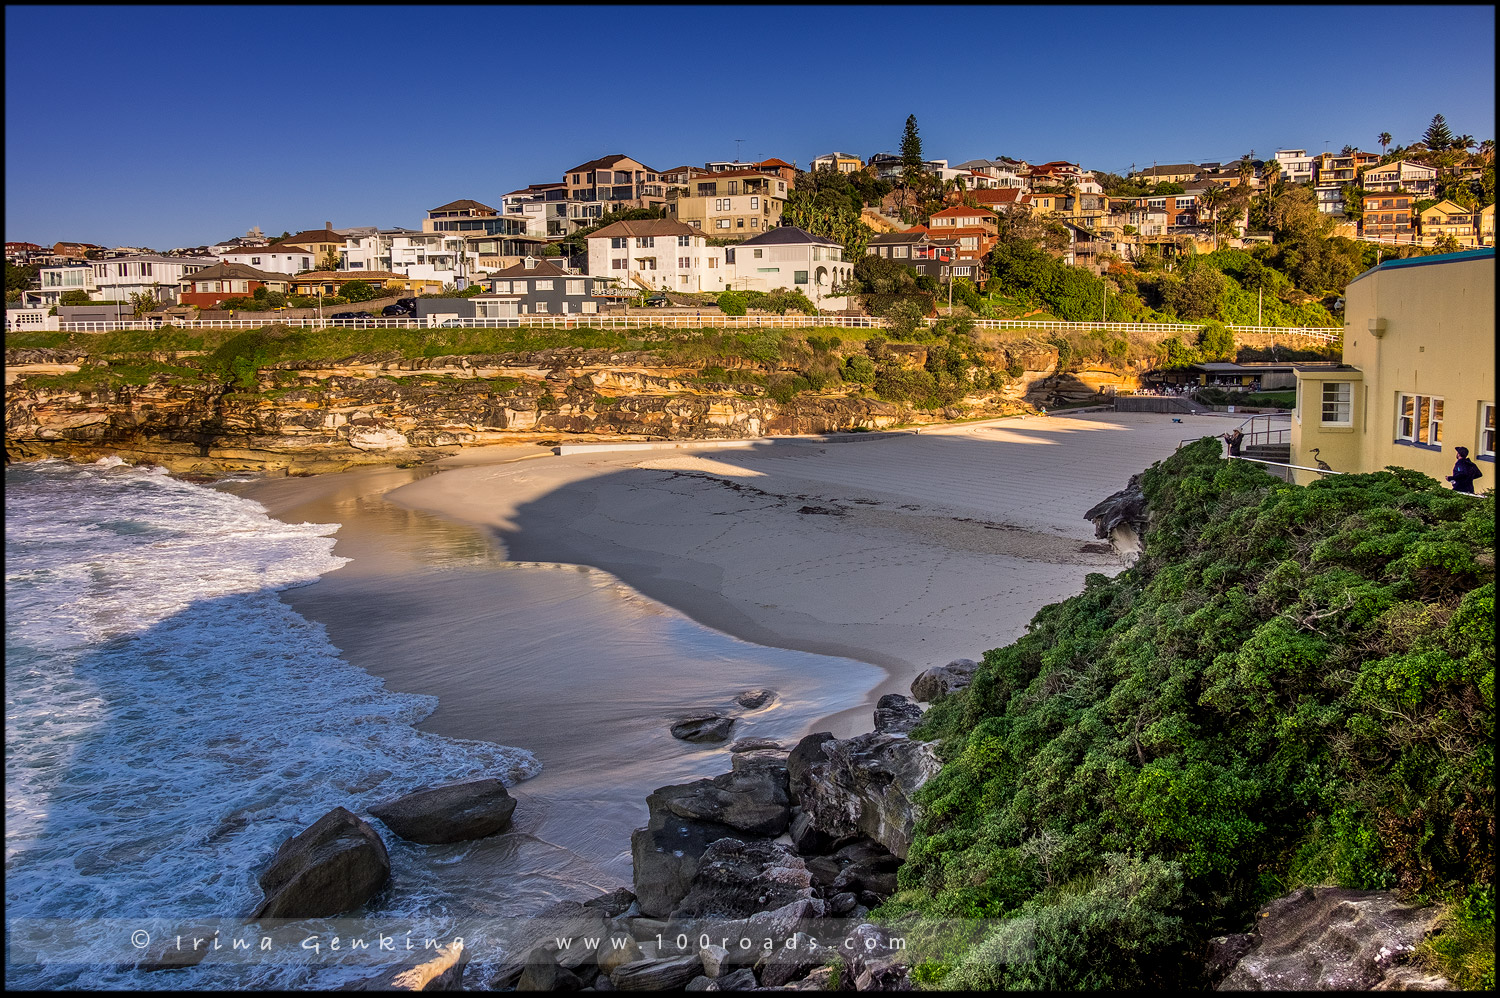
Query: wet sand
x=793 y=565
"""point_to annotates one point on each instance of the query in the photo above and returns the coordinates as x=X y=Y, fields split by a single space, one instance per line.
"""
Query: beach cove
x=577 y=605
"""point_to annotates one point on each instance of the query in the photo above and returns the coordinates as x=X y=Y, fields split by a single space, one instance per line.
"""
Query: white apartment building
x=275 y=259
x=1296 y=165
x=118 y=279
x=791 y=259
x=657 y=254
x=430 y=256
x=993 y=173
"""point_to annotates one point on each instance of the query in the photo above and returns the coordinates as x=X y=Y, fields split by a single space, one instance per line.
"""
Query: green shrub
x=731 y=303
x=1292 y=685
x=859 y=369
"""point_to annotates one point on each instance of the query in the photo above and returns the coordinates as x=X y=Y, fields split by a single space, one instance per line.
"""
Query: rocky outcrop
x=1324 y=939
x=455 y=813
x=896 y=714
x=334 y=866
x=736 y=879
x=862 y=786
x=1122 y=518
x=320 y=416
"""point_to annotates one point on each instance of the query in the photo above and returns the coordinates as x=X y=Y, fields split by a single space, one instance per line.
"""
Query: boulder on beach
x=454 y=813
x=755 y=699
x=863 y=785
x=705 y=728
x=758 y=745
x=941 y=680
x=335 y=865
x=896 y=714
x=442 y=970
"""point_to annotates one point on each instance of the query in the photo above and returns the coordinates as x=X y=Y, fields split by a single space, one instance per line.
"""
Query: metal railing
x=1268 y=435
x=636 y=321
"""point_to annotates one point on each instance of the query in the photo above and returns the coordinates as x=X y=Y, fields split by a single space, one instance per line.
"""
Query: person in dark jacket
x=1464 y=472
x=1235 y=439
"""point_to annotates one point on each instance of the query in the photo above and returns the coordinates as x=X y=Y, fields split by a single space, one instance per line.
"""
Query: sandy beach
x=794 y=565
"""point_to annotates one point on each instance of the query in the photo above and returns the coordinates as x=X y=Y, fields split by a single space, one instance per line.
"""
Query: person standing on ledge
x=1464 y=472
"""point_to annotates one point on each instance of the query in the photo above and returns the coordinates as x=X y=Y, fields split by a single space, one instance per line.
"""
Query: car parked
x=352 y=315
x=397 y=310
x=657 y=301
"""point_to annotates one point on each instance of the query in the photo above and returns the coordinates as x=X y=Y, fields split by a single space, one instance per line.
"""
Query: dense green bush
x=731 y=303
x=1293 y=685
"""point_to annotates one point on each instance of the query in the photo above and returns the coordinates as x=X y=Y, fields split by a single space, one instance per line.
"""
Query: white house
x=790 y=258
x=657 y=254
x=274 y=259
x=431 y=256
x=118 y=279
x=1296 y=165
x=57 y=280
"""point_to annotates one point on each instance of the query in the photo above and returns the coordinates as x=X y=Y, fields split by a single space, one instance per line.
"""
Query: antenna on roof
x=737 y=143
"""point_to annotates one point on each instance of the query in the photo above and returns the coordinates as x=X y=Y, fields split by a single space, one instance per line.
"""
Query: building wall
x=705 y=269
x=1437 y=341
x=278 y=262
x=732 y=215
x=779 y=266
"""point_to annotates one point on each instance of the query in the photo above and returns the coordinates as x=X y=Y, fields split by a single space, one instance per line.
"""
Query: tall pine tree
x=1437 y=137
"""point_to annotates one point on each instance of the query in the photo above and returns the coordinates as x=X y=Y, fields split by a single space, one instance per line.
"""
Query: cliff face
x=306 y=417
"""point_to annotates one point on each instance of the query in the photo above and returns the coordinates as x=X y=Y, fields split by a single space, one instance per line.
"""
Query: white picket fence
x=678 y=322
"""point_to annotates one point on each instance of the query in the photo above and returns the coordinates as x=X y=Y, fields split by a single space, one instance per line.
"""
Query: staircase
x=1281 y=453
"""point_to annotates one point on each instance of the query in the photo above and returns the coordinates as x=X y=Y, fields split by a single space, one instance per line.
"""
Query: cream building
x=1418 y=377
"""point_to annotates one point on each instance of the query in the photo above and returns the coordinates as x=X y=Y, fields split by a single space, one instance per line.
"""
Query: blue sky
x=172 y=126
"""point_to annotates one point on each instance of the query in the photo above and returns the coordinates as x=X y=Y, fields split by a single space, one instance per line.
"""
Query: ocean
x=170 y=719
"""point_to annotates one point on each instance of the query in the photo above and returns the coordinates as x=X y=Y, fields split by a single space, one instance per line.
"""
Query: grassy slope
x=1294 y=686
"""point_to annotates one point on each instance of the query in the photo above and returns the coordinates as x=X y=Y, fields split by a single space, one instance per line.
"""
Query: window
x=696 y=223
x=898 y=252
x=617 y=265
x=590 y=308
x=755 y=204
x=618 y=242
x=734 y=187
x=754 y=223
x=768 y=270
x=544 y=285
x=684 y=240
x=713 y=262
x=518 y=287
x=799 y=277
x=500 y=287
x=575 y=288
x=683 y=262
x=739 y=223
x=255 y=261
x=721 y=204
x=1486 y=430
x=1338 y=403
x=645 y=242
x=540 y=306
x=721 y=223
x=1419 y=420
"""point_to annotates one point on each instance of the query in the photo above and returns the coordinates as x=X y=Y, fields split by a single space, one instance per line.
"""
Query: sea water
x=170 y=721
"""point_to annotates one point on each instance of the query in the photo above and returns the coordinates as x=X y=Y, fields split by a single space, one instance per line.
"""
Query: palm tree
x=1487 y=149
x=1384 y=140
x=1213 y=199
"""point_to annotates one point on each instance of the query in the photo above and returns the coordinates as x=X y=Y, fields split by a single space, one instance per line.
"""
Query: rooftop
x=463 y=204
x=788 y=235
x=645 y=227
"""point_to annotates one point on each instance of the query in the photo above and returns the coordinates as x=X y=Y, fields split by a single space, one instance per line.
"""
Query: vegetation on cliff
x=1294 y=685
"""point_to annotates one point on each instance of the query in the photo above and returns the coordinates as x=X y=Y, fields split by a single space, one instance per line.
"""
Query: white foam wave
x=168 y=719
